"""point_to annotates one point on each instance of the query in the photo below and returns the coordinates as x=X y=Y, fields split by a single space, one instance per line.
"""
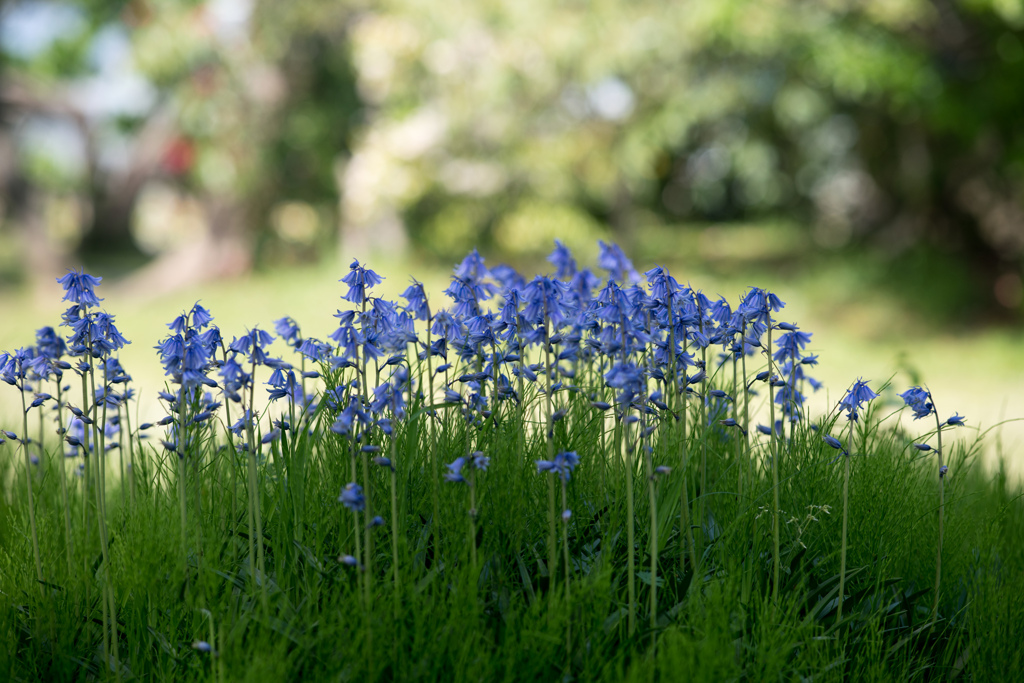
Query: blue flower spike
x=834 y=443
x=352 y=497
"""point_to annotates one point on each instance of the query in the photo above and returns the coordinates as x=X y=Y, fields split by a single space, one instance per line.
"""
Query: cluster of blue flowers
x=502 y=343
x=648 y=344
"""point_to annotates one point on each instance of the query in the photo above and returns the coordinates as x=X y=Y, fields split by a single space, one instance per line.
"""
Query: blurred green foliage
x=879 y=124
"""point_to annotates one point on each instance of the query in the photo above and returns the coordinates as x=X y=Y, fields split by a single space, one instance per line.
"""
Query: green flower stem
x=472 y=521
x=131 y=460
x=110 y=638
x=746 y=405
x=182 y=493
x=942 y=510
x=653 y=495
x=739 y=443
x=552 y=535
x=846 y=515
x=704 y=434
x=355 y=517
x=255 y=514
x=431 y=429
x=394 y=523
x=28 y=483
x=565 y=542
x=368 y=547
x=568 y=568
x=630 y=531
x=549 y=437
x=773 y=453
x=684 y=503
x=86 y=491
x=69 y=547
x=627 y=457
x=233 y=454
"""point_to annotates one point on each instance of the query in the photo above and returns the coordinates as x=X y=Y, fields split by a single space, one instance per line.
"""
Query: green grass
x=507 y=617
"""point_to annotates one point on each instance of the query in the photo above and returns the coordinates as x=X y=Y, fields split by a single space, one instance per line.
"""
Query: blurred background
x=865 y=158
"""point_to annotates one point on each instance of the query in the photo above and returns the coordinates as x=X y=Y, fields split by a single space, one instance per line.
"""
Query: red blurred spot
x=179 y=156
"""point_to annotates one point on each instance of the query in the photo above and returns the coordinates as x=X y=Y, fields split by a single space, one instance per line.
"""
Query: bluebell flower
x=922 y=447
x=49 y=344
x=352 y=497
x=731 y=422
x=417 y=301
x=546 y=296
x=956 y=421
x=447 y=326
x=314 y=349
x=563 y=465
x=240 y=424
x=627 y=378
x=479 y=460
x=39 y=400
x=465 y=296
x=79 y=288
x=582 y=286
x=919 y=401
x=858 y=394
x=613 y=259
x=507 y=276
x=283 y=383
x=756 y=308
x=288 y=330
x=561 y=258
x=105 y=336
x=833 y=442
x=359 y=279
x=790 y=345
x=473 y=270
x=455 y=470
x=252 y=344
x=350 y=418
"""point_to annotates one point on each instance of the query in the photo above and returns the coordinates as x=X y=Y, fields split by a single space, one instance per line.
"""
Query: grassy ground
x=429 y=608
x=176 y=577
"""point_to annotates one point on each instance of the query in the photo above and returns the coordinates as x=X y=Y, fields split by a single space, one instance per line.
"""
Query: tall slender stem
x=942 y=510
x=62 y=475
x=846 y=516
x=773 y=453
x=394 y=521
x=28 y=481
x=255 y=514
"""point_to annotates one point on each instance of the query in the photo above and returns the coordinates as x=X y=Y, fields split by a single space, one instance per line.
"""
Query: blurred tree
x=875 y=122
x=879 y=123
x=242 y=105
